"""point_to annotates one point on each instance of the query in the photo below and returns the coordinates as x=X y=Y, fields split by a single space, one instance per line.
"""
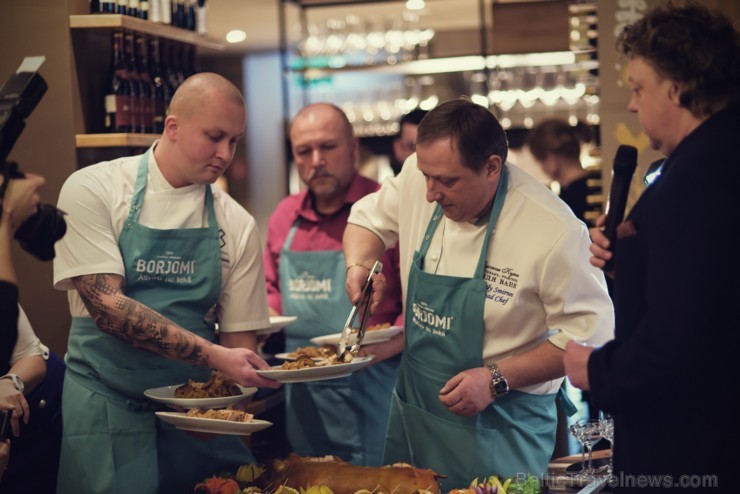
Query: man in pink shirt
x=306 y=270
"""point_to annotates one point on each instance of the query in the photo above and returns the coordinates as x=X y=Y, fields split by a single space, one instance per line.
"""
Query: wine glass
x=577 y=431
x=606 y=424
x=591 y=432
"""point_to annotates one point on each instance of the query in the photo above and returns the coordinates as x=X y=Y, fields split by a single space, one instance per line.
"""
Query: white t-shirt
x=97 y=201
x=28 y=344
x=537 y=267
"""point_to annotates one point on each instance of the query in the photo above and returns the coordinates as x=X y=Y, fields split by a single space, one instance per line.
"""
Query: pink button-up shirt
x=324 y=232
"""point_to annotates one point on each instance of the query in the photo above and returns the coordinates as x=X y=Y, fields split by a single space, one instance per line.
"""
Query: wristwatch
x=499 y=384
x=17 y=382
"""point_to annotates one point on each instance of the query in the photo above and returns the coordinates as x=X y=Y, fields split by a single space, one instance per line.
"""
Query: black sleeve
x=8 y=323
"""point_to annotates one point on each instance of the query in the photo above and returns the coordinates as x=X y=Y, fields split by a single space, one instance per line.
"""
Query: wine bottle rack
x=115 y=21
x=118 y=21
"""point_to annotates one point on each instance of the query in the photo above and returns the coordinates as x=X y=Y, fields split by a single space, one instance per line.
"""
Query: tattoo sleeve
x=134 y=323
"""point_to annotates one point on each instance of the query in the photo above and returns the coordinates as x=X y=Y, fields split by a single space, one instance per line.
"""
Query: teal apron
x=113 y=442
x=444 y=336
x=348 y=416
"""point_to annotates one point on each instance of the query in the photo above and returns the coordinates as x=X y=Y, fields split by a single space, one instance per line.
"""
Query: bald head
x=324 y=111
x=199 y=90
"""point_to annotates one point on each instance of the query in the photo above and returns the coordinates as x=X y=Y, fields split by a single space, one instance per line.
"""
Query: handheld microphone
x=625 y=162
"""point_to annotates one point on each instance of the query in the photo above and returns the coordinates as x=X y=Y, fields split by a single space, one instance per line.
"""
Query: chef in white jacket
x=496 y=280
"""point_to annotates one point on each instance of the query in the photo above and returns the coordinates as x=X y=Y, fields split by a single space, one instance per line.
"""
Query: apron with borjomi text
x=444 y=336
x=348 y=416
x=119 y=445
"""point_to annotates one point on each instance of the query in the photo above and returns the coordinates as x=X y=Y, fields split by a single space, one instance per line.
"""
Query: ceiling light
x=236 y=36
x=414 y=4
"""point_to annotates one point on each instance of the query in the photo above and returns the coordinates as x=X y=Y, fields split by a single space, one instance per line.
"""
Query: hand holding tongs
x=363 y=306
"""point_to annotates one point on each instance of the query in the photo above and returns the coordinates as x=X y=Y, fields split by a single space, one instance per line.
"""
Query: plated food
x=341 y=477
x=322 y=351
x=377 y=335
x=222 y=414
x=304 y=361
x=315 y=372
x=217 y=386
x=220 y=394
x=182 y=421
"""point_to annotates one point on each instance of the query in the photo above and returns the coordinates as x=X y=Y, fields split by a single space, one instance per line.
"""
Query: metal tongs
x=362 y=308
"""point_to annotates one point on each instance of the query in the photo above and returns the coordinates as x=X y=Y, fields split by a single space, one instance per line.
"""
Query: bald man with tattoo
x=153 y=259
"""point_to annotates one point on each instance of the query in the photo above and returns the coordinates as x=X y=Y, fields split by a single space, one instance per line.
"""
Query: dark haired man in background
x=404 y=143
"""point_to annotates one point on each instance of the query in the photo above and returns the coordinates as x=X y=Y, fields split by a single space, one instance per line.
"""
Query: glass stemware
x=588 y=433
x=577 y=431
x=606 y=425
x=591 y=436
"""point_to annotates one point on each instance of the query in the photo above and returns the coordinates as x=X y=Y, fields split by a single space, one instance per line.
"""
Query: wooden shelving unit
x=106 y=22
x=115 y=21
x=114 y=140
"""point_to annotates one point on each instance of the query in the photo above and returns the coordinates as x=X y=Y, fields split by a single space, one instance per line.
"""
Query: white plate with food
x=371 y=336
x=315 y=352
x=166 y=395
x=276 y=324
x=318 y=373
x=214 y=426
x=291 y=356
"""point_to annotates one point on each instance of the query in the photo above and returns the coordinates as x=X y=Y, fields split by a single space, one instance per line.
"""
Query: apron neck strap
x=291 y=233
x=498 y=204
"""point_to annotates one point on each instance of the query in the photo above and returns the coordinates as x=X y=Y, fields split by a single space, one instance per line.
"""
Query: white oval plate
x=213 y=426
x=315 y=373
x=288 y=356
x=371 y=336
x=276 y=324
x=166 y=395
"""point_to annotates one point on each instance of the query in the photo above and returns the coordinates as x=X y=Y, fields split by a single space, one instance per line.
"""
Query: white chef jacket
x=539 y=280
x=97 y=201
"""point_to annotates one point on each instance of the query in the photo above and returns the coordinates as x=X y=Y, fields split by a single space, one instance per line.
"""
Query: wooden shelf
x=114 y=140
x=116 y=21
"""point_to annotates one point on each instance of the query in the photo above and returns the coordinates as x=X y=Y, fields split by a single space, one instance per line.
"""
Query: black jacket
x=670 y=377
x=8 y=323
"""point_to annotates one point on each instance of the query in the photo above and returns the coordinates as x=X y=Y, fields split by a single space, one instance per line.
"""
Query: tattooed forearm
x=134 y=323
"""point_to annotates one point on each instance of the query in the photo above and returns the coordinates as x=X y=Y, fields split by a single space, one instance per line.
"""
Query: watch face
x=501 y=387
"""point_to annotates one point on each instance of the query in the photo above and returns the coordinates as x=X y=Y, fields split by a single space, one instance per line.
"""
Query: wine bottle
x=144 y=9
x=165 y=11
x=168 y=64
x=179 y=14
x=146 y=86
x=188 y=61
x=162 y=89
x=201 y=24
x=118 y=90
x=122 y=7
x=95 y=7
x=133 y=8
x=108 y=6
x=133 y=75
x=155 y=10
x=190 y=16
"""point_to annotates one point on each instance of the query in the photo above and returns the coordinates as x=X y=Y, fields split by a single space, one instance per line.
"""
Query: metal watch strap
x=499 y=386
